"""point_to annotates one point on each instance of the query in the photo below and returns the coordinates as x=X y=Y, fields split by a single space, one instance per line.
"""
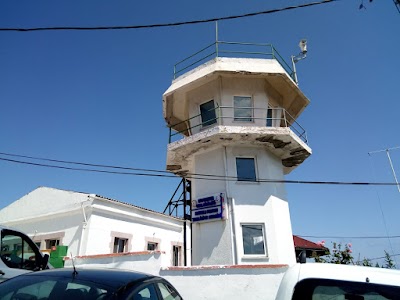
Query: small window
x=253 y=239
x=246 y=169
x=152 y=246
x=52 y=243
x=176 y=253
x=120 y=245
x=243 y=109
x=207 y=113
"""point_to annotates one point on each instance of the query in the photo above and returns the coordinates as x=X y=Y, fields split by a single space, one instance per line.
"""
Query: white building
x=91 y=224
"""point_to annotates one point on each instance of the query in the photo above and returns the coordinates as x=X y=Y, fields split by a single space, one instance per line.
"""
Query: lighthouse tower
x=234 y=135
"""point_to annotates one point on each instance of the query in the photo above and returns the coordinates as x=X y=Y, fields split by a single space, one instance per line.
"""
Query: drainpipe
x=231 y=214
x=84 y=223
x=184 y=223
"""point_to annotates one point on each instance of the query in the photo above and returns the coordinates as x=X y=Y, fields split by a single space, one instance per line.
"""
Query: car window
x=17 y=252
x=33 y=291
x=168 y=292
x=323 y=289
x=147 y=292
x=52 y=288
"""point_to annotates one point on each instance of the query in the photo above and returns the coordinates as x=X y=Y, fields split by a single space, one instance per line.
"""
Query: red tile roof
x=300 y=243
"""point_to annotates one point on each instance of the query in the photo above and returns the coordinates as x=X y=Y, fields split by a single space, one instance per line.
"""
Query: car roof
x=348 y=272
x=109 y=277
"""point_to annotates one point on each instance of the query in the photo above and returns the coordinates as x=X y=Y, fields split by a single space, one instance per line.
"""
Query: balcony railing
x=231 y=49
x=236 y=116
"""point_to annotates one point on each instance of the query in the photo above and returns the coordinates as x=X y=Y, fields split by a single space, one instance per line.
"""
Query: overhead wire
x=173 y=23
x=161 y=173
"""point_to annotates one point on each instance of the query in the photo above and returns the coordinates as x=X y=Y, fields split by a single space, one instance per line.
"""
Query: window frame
x=117 y=244
x=176 y=259
x=243 y=179
x=241 y=119
x=205 y=124
x=152 y=243
x=264 y=240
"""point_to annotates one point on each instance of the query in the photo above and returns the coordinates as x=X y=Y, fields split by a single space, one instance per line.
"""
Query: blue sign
x=209 y=208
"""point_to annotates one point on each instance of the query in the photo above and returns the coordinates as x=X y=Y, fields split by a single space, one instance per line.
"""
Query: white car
x=318 y=281
x=19 y=254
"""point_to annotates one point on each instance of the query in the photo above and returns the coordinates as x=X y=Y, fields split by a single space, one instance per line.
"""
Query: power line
x=172 y=24
x=188 y=175
x=349 y=237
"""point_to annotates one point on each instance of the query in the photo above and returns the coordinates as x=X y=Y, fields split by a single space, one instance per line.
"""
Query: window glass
x=16 y=252
x=176 y=250
x=253 y=239
x=243 y=109
x=48 y=287
x=207 y=112
x=246 y=169
x=321 y=289
x=152 y=246
x=52 y=243
x=119 y=245
x=168 y=292
x=145 y=293
x=269 y=117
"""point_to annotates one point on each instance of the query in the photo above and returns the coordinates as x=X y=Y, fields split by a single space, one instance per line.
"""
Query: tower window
x=253 y=239
x=246 y=169
x=243 y=109
x=207 y=113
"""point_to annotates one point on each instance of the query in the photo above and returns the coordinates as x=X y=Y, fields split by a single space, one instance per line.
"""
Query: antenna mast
x=390 y=160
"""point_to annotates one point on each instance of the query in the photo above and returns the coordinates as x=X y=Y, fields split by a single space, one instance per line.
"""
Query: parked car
x=87 y=284
x=19 y=254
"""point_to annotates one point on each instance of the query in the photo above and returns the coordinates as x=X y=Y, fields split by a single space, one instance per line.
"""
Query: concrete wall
x=211 y=282
x=221 y=241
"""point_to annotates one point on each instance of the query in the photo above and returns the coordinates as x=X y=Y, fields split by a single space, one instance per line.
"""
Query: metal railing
x=237 y=116
x=231 y=49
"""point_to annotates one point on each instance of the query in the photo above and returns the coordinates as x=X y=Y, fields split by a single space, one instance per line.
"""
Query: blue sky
x=95 y=96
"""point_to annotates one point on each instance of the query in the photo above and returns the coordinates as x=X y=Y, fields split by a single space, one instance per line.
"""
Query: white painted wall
x=213 y=282
x=88 y=224
x=212 y=241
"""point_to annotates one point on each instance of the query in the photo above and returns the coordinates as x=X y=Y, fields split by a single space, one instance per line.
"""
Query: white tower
x=235 y=118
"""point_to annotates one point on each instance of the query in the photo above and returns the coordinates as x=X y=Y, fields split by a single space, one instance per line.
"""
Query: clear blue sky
x=95 y=96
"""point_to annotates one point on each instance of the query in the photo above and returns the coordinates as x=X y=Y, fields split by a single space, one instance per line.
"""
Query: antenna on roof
x=75 y=272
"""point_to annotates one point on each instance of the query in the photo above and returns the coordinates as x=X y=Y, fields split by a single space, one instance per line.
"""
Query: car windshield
x=53 y=288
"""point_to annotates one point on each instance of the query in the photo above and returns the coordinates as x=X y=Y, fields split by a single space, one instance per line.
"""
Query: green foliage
x=338 y=255
x=389 y=263
x=343 y=255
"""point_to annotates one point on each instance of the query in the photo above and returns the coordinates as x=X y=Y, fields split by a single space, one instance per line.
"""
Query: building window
x=207 y=113
x=246 y=169
x=176 y=254
x=52 y=243
x=269 y=117
x=253 y=239
x=120 y=245
x=152 y=246
x=243 y=109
